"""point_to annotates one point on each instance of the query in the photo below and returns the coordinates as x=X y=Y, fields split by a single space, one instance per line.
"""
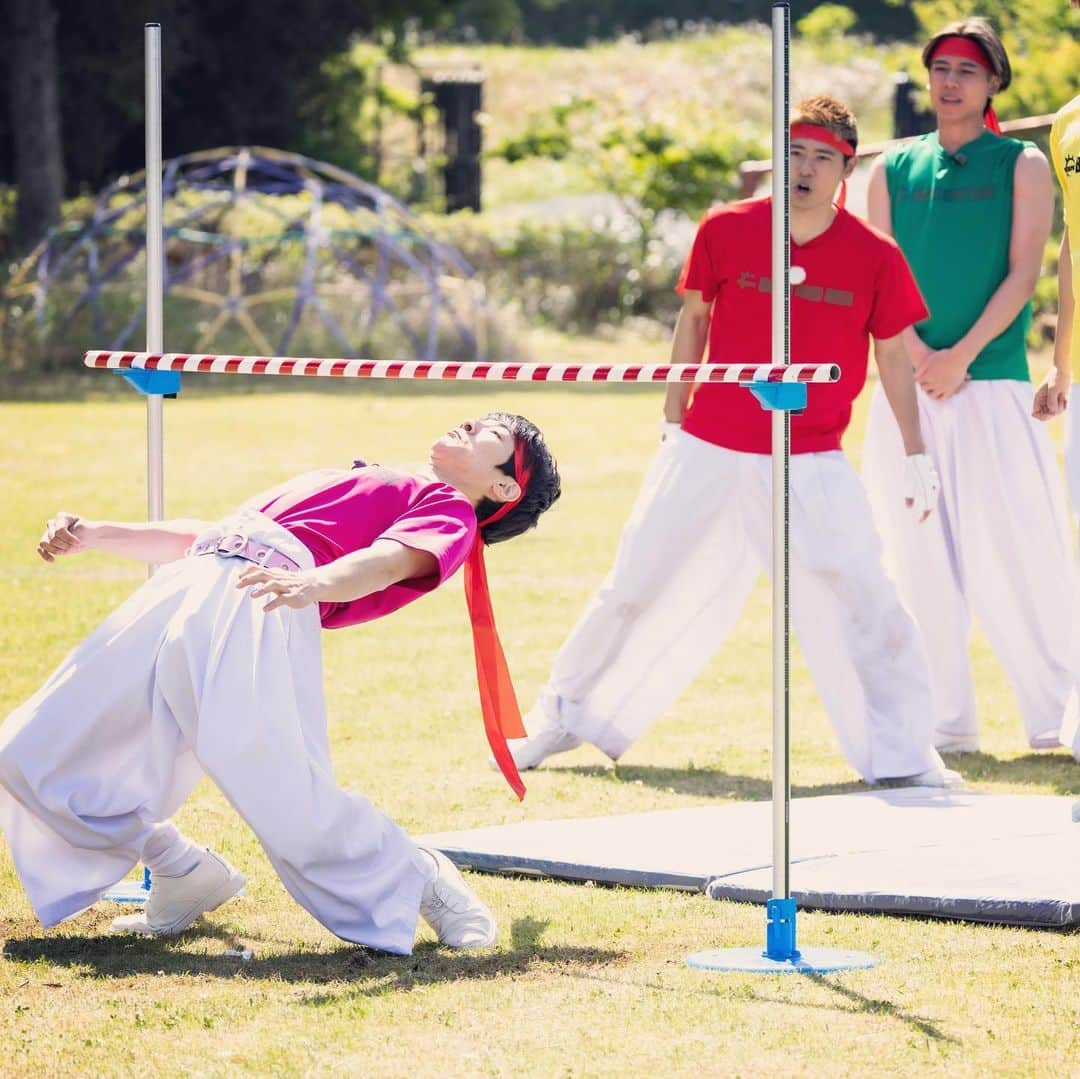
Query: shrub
x=580 y=276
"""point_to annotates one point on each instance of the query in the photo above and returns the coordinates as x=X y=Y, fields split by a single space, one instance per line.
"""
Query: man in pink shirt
x=214 y=667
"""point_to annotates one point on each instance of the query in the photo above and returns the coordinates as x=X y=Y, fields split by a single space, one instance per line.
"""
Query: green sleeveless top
x=952 y=217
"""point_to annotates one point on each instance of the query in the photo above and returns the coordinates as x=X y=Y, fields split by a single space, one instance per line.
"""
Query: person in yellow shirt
x=1052 y=397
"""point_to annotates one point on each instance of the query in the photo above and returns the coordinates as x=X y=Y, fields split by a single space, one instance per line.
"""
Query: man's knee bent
x=12 y=756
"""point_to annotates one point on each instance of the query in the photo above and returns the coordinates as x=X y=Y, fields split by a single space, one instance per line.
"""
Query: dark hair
x=829 y=113
x=544 y=484
x=982 y=34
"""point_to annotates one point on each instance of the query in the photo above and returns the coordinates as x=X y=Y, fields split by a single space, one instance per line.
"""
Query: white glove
x=668 y=431
x=921 y=485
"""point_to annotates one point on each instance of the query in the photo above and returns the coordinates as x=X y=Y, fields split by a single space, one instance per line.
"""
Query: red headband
x=521 y=475
x=963 y=47
x=822 y=134
x=830 y=138
x=498 y=702
x=967 y=49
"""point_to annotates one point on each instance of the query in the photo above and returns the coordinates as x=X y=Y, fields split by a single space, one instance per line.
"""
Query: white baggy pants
x=1072 y=455
x=1070 y=729
x=190 y=676
x=698 y=536
x=998 y=548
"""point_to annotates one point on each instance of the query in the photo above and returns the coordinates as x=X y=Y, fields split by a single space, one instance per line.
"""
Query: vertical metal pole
x=155 y=302
x=780 y=952
x=155 y=268
x=781 y=448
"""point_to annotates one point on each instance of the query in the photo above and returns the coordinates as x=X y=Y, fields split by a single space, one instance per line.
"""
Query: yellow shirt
x=1065 y=150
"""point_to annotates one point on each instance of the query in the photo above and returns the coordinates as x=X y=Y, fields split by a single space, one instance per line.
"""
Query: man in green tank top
x=971 y=210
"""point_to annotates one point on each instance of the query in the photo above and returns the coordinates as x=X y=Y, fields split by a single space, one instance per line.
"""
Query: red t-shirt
x=857 y=284
x=334 y=512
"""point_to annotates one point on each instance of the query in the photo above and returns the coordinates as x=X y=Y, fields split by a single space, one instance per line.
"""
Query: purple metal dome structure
x=266 y=251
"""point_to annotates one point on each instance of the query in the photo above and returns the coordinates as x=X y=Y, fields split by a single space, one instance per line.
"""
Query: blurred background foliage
x=606 y=132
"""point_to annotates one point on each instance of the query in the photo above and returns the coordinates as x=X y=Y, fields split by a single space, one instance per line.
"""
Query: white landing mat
x=1012 y=859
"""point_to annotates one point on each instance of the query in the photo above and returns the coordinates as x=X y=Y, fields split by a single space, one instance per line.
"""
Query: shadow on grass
x=727 y=984
x=1054 y=770
x=374 y=972
x=704 y=782
x=886 y=1008
x=363 y=971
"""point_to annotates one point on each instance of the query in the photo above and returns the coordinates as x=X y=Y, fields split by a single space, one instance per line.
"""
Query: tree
x=570 y=22
x=233 y=73
x=1042 y=44
x=35 y=117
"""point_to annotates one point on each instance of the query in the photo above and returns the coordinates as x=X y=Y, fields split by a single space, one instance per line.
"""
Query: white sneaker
x=545 y=734
x=938 y=776
x=530 y=752
x=1076 y=812
x=175 y=902
x=961 y=743
x=1046 y=740
x=458 y=917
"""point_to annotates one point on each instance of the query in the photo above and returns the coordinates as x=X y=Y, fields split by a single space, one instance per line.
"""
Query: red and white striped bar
x=463 y=372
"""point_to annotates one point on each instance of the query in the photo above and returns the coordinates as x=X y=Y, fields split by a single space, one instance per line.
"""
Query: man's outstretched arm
x=155 y=542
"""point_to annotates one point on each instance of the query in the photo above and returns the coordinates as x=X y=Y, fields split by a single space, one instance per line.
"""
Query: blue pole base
x=780 y=930
x=755 y=961
x=780 y=955
x=130 y=891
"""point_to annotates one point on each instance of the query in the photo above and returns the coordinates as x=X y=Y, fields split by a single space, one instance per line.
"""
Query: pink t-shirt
x=334 y=512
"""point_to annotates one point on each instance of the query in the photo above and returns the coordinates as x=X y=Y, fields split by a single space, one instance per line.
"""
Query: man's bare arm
x=898 y=382
x=154 y=542
x=879 y=214
x=353 y=576
x=878 y=203
x=1052 y=396
x=687 y=346
x=1033 y=208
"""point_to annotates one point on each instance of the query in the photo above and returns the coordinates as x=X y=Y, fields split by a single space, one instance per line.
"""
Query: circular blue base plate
x=127 y=891
x=754 y=961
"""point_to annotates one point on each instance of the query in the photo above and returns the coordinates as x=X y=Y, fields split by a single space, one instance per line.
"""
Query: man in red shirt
x=701 y=529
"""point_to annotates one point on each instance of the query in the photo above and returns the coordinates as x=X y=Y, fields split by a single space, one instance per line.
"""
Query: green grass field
x=585 y=980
